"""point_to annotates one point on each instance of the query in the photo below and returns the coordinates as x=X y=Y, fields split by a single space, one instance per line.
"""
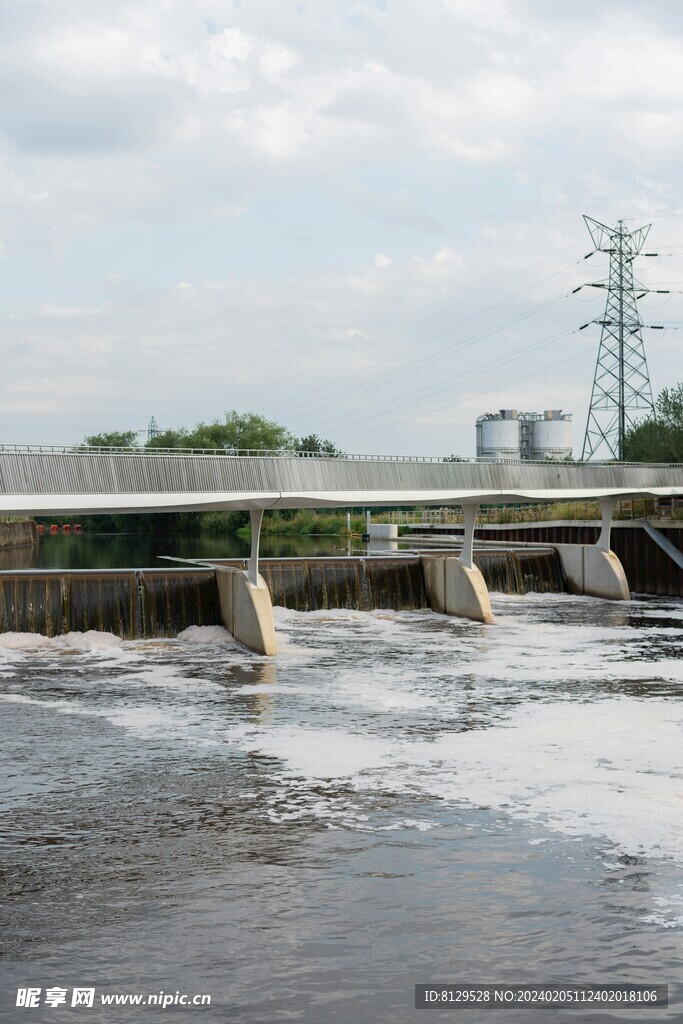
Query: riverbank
x=308 y=522
x=17 y=533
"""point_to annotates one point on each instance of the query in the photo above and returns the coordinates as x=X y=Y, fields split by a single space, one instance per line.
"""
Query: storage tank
x=498 y=435
x=551 y=436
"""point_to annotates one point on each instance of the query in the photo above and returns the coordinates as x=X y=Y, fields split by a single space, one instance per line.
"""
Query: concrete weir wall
x=648 y=569
x=17 y=534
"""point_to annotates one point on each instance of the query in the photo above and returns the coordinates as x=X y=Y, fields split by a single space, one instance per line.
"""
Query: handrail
x=282 y=453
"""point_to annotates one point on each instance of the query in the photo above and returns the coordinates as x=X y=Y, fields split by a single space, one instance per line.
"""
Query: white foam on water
x=206 y=635
x=23 y=641
x=316 y=753
x=610 y=768
x=148 y=721
x=92 y=641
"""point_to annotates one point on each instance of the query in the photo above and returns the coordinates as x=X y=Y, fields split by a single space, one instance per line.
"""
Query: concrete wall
x=17 y=534
x=455 y=589
x=383 y=531
x=247 y=610
x=590 y=570
x=648 y=569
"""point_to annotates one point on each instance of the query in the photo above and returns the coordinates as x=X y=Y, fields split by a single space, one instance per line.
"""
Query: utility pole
x=621 y=385
x=152 y=429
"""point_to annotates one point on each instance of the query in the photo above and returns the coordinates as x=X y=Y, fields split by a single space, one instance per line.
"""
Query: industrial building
x=536 y=436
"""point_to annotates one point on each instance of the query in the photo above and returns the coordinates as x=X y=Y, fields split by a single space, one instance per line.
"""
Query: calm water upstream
x=138 y=551
x=395 y=798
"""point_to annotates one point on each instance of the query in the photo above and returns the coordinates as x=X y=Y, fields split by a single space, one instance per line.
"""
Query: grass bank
x=307 y=523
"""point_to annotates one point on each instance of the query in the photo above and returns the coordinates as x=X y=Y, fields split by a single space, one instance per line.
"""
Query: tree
x=316 y=445
x=658 y=438
x=169 y=439
x=238 y=431
x=112 y=439
x=455 y=458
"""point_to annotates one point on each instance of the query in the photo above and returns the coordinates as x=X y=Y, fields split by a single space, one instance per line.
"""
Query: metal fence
x=284 y=453
x=626 y=509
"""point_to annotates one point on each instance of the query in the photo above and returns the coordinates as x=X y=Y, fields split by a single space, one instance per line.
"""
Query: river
x=146 y=551
x=396 y=798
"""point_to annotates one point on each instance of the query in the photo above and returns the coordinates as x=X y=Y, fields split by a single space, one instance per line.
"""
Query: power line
x=402 y=330
x=480 y=394
x=463 y=378
x=394 y=375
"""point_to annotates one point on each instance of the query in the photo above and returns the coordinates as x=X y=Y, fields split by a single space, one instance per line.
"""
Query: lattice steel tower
x=621 y=386
x=152 y=429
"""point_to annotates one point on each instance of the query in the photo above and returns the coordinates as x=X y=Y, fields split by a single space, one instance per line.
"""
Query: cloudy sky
x=361 y=218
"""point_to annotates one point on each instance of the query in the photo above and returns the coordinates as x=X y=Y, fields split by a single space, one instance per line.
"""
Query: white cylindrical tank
x=498 y=435
x=551 y=437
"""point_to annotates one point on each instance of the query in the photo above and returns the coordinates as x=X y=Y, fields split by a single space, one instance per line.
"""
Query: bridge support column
x=594 y=569
x=455 y=586
x=607 y=507
x=256 y=516
x=469 y=518
x=246 y=607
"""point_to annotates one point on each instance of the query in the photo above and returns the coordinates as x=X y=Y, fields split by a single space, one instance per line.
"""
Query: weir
x=142 y=603
x=362 y=584
x=37 y=480
x=132 y=604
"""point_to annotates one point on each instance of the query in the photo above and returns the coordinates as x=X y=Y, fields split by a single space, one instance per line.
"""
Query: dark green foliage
x=238 y=431
x=658 y=438
x=318 y=445
x=112 y=439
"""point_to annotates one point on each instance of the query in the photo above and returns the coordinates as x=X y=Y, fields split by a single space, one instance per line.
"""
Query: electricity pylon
x=621 y=386
x=152 y=429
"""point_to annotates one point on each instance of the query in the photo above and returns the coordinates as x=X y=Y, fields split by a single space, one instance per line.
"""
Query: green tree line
x=658 y=437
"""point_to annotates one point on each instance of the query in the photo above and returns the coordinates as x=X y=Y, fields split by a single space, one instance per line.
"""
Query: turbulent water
x=397 y=798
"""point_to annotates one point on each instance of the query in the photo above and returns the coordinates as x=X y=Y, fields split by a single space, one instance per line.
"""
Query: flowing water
x=396 y=798
x=56 y=594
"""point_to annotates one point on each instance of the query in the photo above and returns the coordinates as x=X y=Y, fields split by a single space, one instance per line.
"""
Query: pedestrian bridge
x=40 y=480
x=37 y=480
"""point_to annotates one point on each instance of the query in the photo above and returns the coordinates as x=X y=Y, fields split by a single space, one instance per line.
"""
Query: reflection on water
x=396 y=798
x=134 y=551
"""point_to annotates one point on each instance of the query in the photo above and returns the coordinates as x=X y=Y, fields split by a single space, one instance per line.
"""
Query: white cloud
x=269 y=156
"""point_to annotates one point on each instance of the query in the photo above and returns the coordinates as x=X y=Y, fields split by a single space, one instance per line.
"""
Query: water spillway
x=356 y=583
x=363 y=584
x=131 y=603
x=138 y=603
x=522 y=572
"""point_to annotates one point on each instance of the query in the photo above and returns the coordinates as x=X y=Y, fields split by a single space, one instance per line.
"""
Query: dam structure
x=54 y=480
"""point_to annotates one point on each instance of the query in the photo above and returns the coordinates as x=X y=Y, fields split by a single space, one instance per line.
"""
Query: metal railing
x=285 y=453
x=626 y=509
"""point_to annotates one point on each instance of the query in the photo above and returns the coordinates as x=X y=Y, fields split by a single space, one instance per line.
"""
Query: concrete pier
x=595 y=569
x=456 y=589
x=246 y=609
x=592 y=570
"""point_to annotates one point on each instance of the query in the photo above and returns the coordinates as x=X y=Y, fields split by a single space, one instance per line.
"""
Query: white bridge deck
x=39 y=480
